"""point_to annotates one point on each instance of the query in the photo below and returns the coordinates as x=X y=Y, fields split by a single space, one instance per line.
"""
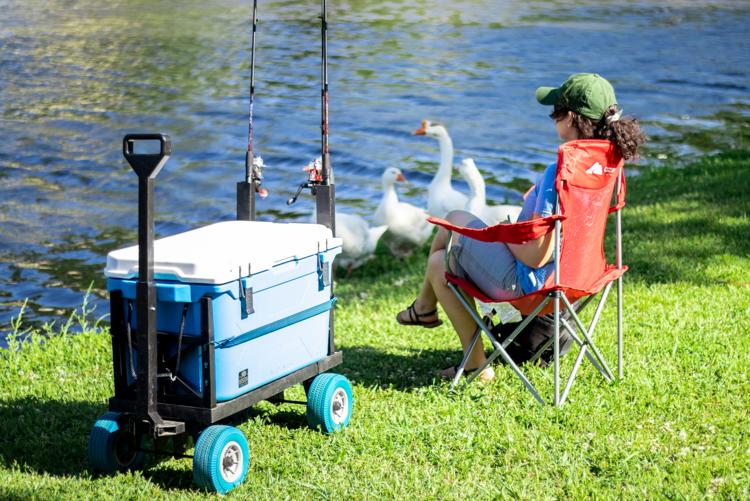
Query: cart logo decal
x=243 y=378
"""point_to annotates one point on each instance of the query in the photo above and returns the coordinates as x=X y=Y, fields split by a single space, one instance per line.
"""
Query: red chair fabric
x=587 y=171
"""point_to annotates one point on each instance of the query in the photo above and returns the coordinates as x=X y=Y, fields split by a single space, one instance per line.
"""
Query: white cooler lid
x=221 y=252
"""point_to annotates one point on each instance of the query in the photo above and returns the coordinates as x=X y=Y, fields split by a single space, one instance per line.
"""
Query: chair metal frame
x=587 y=347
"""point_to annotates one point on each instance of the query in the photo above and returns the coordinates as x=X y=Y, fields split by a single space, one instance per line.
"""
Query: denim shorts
x=491 y=266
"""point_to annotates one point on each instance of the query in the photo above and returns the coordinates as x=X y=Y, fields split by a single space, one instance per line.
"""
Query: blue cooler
x=270 y=290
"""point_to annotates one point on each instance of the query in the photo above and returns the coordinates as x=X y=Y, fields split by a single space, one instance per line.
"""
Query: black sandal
x=414 y=317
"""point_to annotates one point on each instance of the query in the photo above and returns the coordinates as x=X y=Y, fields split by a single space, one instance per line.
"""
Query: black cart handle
x=147 y=164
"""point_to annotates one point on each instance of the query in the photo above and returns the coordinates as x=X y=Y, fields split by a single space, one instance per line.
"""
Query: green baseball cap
x=587 y=94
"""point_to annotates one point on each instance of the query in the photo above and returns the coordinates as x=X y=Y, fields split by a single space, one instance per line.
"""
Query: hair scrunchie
x=614 y=117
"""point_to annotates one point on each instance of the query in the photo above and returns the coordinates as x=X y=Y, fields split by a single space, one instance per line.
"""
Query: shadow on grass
x=50 y=437
x=366 y=366
x=370 y=366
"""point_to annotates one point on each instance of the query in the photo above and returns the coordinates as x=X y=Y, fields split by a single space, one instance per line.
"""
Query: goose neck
x=476 y=184
x=446 y=159
x=389 y=192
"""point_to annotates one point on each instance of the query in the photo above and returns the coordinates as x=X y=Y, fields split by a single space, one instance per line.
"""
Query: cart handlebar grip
x=146 y=165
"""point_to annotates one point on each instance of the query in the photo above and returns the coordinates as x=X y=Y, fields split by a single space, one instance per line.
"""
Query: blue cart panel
x=271 y=319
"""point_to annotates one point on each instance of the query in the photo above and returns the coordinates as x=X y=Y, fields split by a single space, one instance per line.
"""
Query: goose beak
x=263 y=193
x=421 y=130
x=401 y=178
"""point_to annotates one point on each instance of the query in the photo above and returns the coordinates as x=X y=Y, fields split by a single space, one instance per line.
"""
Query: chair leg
x=581 y=353
x=588 y=335
x=546 y=346
x=584 y=349
x=556 y=351
x=590 y=331
x=619 y=327
x=462 y=365
x=584 y=333
x=499 y=350
x=587 y=347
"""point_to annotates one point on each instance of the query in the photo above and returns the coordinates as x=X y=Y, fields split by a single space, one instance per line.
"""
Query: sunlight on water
x=75 y=77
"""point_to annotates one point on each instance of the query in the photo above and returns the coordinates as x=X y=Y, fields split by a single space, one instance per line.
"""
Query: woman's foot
x=412 y=316
x=488 y=374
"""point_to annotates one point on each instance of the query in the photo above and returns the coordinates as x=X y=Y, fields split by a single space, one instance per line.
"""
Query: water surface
x=75 y=76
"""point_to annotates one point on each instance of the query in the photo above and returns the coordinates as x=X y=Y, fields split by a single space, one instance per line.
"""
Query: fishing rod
x=253 y=169
x=321 y=181
x=326 y=174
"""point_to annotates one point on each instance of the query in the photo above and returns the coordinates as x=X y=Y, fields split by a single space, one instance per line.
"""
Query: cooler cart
x=208 y=322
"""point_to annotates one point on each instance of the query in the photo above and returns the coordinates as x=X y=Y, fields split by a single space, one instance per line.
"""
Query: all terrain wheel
x=329 y=402
x=221 y=458
x=113 y=448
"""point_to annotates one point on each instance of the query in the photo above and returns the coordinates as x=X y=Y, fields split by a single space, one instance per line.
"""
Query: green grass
x=676 y=426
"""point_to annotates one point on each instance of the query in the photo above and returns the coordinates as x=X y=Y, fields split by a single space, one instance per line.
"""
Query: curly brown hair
x=625 y=133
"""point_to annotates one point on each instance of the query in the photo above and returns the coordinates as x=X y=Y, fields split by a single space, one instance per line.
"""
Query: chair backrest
x=587 y=171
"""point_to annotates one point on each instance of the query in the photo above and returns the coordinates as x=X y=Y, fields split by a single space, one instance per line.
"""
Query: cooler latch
x=246 y=297
x=324 y=273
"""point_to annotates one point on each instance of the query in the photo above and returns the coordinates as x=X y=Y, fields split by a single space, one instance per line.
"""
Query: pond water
x=75 y=76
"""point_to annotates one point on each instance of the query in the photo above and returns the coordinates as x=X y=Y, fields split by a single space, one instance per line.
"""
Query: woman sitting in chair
x=585 y=107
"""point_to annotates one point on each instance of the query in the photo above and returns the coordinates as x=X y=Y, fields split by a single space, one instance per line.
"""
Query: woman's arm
x=543 y=198
x=534 y=253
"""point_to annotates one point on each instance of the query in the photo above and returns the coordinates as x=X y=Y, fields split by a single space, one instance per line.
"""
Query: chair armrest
x=516 y=233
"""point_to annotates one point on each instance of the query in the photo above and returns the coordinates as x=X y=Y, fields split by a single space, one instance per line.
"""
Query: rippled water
x=75 y=76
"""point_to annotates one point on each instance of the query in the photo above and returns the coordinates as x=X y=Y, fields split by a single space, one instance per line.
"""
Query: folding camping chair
x=587 y=173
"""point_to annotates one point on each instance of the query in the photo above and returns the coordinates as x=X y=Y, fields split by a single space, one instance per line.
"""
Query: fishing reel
x=250 y=187
x=257 y=176
x=314 y=171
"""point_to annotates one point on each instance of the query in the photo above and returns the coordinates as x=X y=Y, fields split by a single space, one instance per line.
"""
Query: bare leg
x=435 y=289
x=427 y=300
x=459 y=317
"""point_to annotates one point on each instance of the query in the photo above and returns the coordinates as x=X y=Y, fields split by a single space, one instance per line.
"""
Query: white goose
x=441 y=197
x=406 y=222
x=477 y=204
x=358 y=238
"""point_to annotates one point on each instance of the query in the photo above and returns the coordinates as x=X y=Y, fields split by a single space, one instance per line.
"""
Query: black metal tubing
x=204 y=416
x=325 y=214
x=146 y=166
x=246 y=200
x=166 y=453
x=117 y=330
x=325 y=205
x=207 y=354
x=331 y=342
x=146 y=304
